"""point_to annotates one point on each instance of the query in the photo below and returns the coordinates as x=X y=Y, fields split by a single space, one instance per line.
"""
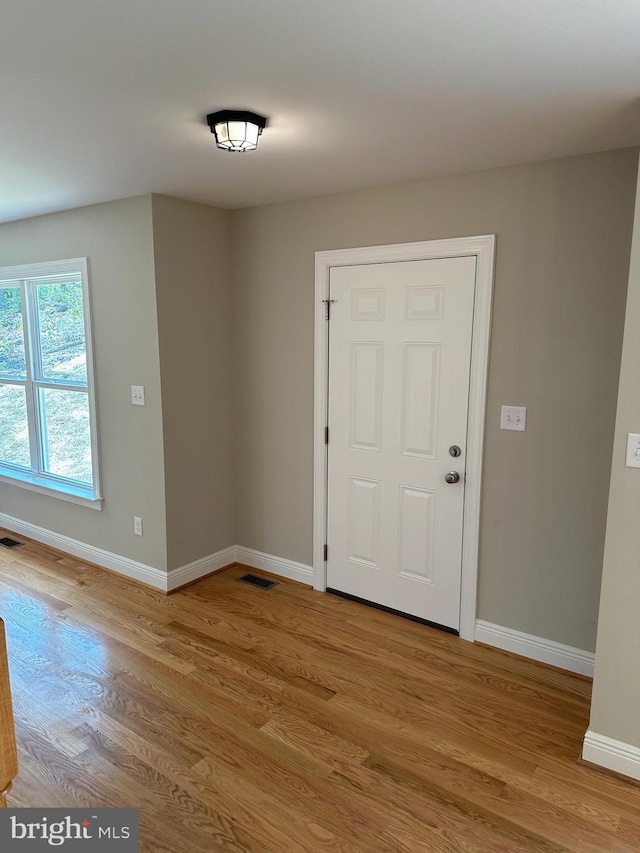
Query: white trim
x=276 y=565
x=45 y=269
x=30 y=481
x=613 y=754
x=91 y=380
x=247 y=556
x=89 y=553
x=27 y=480
x=164 y=581
x=537 y=648
x=201 y=568
x=28 y=277
x=483 y=248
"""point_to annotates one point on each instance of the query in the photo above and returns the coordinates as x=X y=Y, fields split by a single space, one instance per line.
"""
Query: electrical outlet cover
x=633 y=450
x=513 y=417
x=137 y=395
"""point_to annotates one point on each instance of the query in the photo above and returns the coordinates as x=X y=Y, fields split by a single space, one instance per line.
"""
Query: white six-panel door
x=399 y=368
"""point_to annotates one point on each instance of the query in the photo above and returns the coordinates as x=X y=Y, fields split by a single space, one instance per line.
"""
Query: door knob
x=452 y=477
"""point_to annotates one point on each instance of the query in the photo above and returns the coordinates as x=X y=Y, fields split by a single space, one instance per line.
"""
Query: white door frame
x=483 y=248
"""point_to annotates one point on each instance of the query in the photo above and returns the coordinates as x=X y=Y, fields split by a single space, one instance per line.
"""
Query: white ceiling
x=102 y=99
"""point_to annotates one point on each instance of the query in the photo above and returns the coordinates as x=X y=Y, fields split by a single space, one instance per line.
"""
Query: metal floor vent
x=8 y=542
x=255 y=580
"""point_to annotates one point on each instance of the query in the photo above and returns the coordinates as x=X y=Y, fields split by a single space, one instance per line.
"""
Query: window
x=48 y=436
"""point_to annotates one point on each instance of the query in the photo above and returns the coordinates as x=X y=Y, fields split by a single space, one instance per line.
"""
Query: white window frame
x=37 y=479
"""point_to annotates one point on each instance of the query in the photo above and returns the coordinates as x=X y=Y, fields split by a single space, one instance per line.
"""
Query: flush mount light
x=236 y=130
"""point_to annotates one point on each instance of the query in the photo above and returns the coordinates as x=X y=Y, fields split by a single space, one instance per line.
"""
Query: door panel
x=365 y=407
x=399 y=361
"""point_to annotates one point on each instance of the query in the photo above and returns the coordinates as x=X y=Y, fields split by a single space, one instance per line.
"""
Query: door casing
x=483 y=248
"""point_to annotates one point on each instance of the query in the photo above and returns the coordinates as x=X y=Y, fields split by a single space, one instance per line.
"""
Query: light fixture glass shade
x=236 y=130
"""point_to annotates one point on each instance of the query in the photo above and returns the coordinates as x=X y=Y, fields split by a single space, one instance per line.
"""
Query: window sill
x=42 y=485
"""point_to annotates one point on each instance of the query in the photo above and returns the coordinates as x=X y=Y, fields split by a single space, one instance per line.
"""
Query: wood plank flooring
x=287 y=720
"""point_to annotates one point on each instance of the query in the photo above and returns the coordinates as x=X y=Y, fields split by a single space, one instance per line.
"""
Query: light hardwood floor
x=288 y=720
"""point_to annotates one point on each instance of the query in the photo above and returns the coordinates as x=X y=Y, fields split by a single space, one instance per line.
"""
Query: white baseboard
x=612 y=754
x=248 y=557
x=537 y=648
x=157 y=577
x=201 y=568
x=122 y=565
x=276 y=565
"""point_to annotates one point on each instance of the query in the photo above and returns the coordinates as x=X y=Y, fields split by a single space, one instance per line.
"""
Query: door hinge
x=326 y=435
x=327 y=308
x=326 y=552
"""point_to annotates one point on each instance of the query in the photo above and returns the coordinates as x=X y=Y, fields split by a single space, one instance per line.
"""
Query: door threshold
x=386 y=609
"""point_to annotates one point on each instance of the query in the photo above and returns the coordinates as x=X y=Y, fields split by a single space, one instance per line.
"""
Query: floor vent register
x=255 y=580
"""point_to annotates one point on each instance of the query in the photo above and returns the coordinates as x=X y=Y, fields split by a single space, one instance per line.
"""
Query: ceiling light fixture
x=236 y=130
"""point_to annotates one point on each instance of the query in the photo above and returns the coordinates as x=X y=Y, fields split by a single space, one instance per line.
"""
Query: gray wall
x=616 y=686
x=564 y=230
x=237 y=370
x=117 y=239
x=191 y=245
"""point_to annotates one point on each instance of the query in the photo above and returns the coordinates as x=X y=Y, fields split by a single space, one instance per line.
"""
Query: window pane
x=14 y=430
x=12 y=359
x=61 y=325
x=66 y=439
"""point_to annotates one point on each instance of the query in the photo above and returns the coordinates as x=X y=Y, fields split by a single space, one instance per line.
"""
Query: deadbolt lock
x=454 y=450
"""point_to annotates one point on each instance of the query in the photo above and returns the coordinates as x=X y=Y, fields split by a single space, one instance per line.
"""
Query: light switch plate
x=137 y=395
x=633 y=450
x=513 y=417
